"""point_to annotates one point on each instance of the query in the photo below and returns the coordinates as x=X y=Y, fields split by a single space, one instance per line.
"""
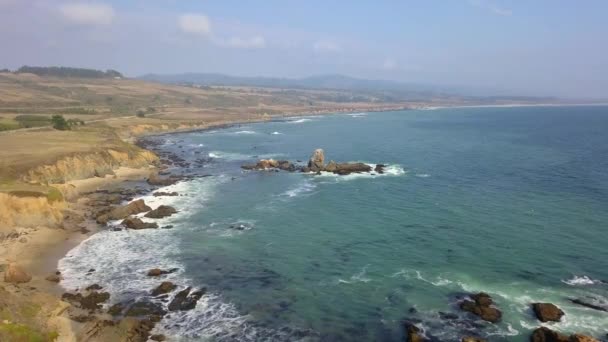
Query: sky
x=540 y=47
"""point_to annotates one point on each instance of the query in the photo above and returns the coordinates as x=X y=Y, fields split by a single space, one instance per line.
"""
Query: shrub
x=60 y=123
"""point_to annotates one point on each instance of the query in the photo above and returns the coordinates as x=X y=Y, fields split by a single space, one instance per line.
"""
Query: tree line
x=67 y=72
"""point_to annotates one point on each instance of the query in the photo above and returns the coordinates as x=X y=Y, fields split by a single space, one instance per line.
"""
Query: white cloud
x=389 y=64
x=246 y=43
x=326 y=46
x=195 y=24
x=88 y=14
x=491 y=6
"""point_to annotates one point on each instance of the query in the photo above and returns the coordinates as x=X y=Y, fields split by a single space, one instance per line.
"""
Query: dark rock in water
x=124 y=211
x=90 y=302
x=286 y=166
x=144 y=308
x=482 y=307
x=158 y=337
x=94 y=287
x=160 y=193
x=543 y=334
x=137 y=223
x=547 y=312
x=169 y=226
x=332 y=166
x=155 y=272
x=241 y=226
x=317 y=160
x=587 y=304
x=413 y=333
x=164 y=287
x=185 y=300
x=447 y=315
x=472 y=339
x=116 y=309
x=161 y=212
x=348 y=168
x=380 y=168
x=93 y=300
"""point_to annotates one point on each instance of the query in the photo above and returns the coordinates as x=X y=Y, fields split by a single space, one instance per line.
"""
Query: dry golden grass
x=108 y=106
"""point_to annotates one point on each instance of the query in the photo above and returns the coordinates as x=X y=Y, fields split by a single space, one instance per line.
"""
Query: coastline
x=46 y=246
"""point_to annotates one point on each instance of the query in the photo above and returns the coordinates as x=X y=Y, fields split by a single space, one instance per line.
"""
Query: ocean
x=510 y=201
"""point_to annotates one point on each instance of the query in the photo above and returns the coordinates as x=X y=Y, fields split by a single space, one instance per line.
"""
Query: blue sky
x=520 y=47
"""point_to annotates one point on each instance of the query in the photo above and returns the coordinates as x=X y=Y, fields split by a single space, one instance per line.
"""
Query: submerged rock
x=161 y=212
x=379 y=168
x=137 y=223
x=482 y=306
x=587 y=303
x=547 y=312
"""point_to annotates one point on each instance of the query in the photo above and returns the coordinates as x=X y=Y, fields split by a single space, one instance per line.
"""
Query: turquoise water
x=510 y=201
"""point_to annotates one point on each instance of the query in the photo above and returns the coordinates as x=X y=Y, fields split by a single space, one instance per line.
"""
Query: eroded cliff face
x=30 y=211
x=96 y=164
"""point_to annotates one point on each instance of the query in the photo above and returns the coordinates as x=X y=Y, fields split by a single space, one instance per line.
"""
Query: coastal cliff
x=96 y=164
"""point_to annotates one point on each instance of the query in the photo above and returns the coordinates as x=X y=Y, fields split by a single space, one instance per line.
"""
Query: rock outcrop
x=582 y=338
x=155 y=179
x=547 y=312
x=473 y=339
x=91 y=302
x=16 y=275
x=161 y=212
x=164 y=287
x=185 y=300
x=348 y=168
x=155 y=272
x=413 y=333
x=137 y=223
x=544 y=334
x=317 y=160
x=122 y=212
x=482 y=306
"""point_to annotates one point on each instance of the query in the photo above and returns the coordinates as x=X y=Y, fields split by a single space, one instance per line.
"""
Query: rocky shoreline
x=134 y=320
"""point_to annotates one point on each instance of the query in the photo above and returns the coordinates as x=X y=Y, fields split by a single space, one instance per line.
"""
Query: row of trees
x=60 y=123
x=69 y=72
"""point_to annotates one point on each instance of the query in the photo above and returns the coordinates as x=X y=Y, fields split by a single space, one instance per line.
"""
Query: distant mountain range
x=384 y=88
